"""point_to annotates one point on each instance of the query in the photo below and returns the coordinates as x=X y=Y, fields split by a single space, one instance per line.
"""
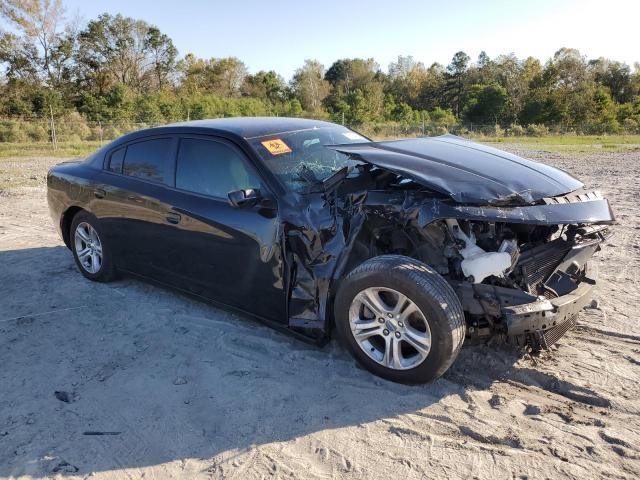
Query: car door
x=133 y=205
x=228 y=254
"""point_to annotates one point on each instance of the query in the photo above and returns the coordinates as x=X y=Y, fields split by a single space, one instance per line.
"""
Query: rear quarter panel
x=69 y=185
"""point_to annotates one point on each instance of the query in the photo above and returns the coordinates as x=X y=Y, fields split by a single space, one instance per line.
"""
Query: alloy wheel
x=88 y=247
x=390 y=328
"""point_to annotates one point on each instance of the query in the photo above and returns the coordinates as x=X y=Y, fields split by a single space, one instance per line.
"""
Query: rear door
x=135 y=205
x=230 y=255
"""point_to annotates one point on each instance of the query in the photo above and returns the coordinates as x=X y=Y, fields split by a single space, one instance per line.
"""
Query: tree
x=508 y=72
x=38 y=22
x=484 y=72
x=162 y=53
x=407 y=80
x=20 y=58
x=432 y=89
x=349 y=74
x=603 y=118
x=227 y=76
x=265 y=85
x=357 y=91
x=115 y=67
x=310 y=87
x=485 y=104
x=191 y=71
x=455 y=86
x=220 y=76
x=616 y=76
x=572 y=88
x=118 y=49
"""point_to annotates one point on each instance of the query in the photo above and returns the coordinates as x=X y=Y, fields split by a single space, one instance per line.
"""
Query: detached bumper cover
x=545 y=314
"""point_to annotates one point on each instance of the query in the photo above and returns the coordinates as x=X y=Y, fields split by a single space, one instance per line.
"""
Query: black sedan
x=403 y=248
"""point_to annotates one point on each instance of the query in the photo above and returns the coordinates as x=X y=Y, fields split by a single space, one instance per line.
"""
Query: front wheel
x=90 y=250
x=400 y=319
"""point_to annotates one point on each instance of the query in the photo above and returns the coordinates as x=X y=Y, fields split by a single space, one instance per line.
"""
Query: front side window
x=212 y=168
x=148 y=160
x=300 y=157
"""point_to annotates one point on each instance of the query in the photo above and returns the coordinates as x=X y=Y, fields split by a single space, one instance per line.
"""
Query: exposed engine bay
x=496 y=264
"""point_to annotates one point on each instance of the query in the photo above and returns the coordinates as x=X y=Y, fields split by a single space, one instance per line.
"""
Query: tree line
x=115 y=68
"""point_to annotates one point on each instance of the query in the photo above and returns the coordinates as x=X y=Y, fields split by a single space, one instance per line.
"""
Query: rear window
x=148 y=160
x=115 y=160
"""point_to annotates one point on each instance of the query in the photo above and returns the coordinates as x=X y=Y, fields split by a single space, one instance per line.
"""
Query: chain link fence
x=63 y=130
x=75 y=129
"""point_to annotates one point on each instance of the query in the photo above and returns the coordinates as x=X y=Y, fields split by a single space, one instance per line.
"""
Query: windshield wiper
x=328 y=184
x=336 y=178
x=308 y=176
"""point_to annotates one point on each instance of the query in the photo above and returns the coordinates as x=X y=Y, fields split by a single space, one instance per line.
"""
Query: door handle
x=99 y=193
x=173 y=218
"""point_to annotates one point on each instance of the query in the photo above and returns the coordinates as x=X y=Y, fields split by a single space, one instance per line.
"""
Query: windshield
x=300 y=158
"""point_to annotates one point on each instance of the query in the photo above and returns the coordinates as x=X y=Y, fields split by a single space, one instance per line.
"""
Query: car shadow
x=104 y=377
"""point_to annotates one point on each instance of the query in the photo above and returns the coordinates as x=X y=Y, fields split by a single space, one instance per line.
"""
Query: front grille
x=554 y=334
x=537 y=264
x=543 y=340
x=574 y=197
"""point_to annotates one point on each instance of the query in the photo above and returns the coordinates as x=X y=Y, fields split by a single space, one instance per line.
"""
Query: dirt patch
x=132 y=380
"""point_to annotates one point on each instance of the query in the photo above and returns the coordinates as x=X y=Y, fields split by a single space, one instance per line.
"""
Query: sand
x=130 y=380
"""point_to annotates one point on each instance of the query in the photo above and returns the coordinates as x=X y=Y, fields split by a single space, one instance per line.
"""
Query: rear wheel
x=400 y=319
x=90 y=251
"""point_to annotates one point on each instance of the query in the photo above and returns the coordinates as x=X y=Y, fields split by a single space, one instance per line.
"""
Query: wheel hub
x=390 y=328
x=392 y=324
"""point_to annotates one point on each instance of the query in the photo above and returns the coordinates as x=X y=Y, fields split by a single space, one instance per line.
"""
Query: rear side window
x=148 y=160
x=115 y=160
x=212 y=168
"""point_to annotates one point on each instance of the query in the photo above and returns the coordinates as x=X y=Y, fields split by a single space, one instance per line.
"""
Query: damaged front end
x=534 y=293
x=512 y=237
x=515 y=272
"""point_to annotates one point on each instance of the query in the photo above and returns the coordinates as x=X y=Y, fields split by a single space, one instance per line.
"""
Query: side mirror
x=244 y=198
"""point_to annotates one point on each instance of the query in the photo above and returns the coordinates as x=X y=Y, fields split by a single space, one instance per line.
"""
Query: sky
x=280 y=34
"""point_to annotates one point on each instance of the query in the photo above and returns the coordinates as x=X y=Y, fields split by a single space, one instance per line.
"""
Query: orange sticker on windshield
x=276 y=146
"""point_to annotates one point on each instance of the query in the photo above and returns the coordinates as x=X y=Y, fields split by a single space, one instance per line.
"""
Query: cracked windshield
x=300 y=159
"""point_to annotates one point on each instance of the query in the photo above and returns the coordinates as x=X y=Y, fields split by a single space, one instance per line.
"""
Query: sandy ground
x=180 y=389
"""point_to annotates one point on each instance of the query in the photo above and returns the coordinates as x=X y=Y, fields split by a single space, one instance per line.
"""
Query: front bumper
x=545 y=314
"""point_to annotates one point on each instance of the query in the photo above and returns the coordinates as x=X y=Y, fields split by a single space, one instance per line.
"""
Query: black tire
x=107 y=271
x=429 y=291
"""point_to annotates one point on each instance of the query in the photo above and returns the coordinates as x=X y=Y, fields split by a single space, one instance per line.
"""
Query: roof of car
x=250 y=127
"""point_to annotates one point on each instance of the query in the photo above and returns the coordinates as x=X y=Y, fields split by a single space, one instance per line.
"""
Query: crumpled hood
x=466 y=171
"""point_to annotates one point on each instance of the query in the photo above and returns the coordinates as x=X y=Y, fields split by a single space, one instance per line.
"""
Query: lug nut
x=390 y=315
x=385 y=331
x=401 y=324
x=381 y=320
x=397 y=334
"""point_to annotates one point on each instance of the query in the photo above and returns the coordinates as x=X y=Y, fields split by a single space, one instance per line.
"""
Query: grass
x=65 y=150
x=570 y=143
x=567 y=143
x=571 y=140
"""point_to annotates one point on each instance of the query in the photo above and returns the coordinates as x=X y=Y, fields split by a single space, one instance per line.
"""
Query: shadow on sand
x=145 y=376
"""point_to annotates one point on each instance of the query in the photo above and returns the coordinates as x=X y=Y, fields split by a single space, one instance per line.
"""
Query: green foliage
x=310 y=87
x=11 y=132
x=535 y=130
x=515 y=130
x=114 y=74
x=485 y=103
